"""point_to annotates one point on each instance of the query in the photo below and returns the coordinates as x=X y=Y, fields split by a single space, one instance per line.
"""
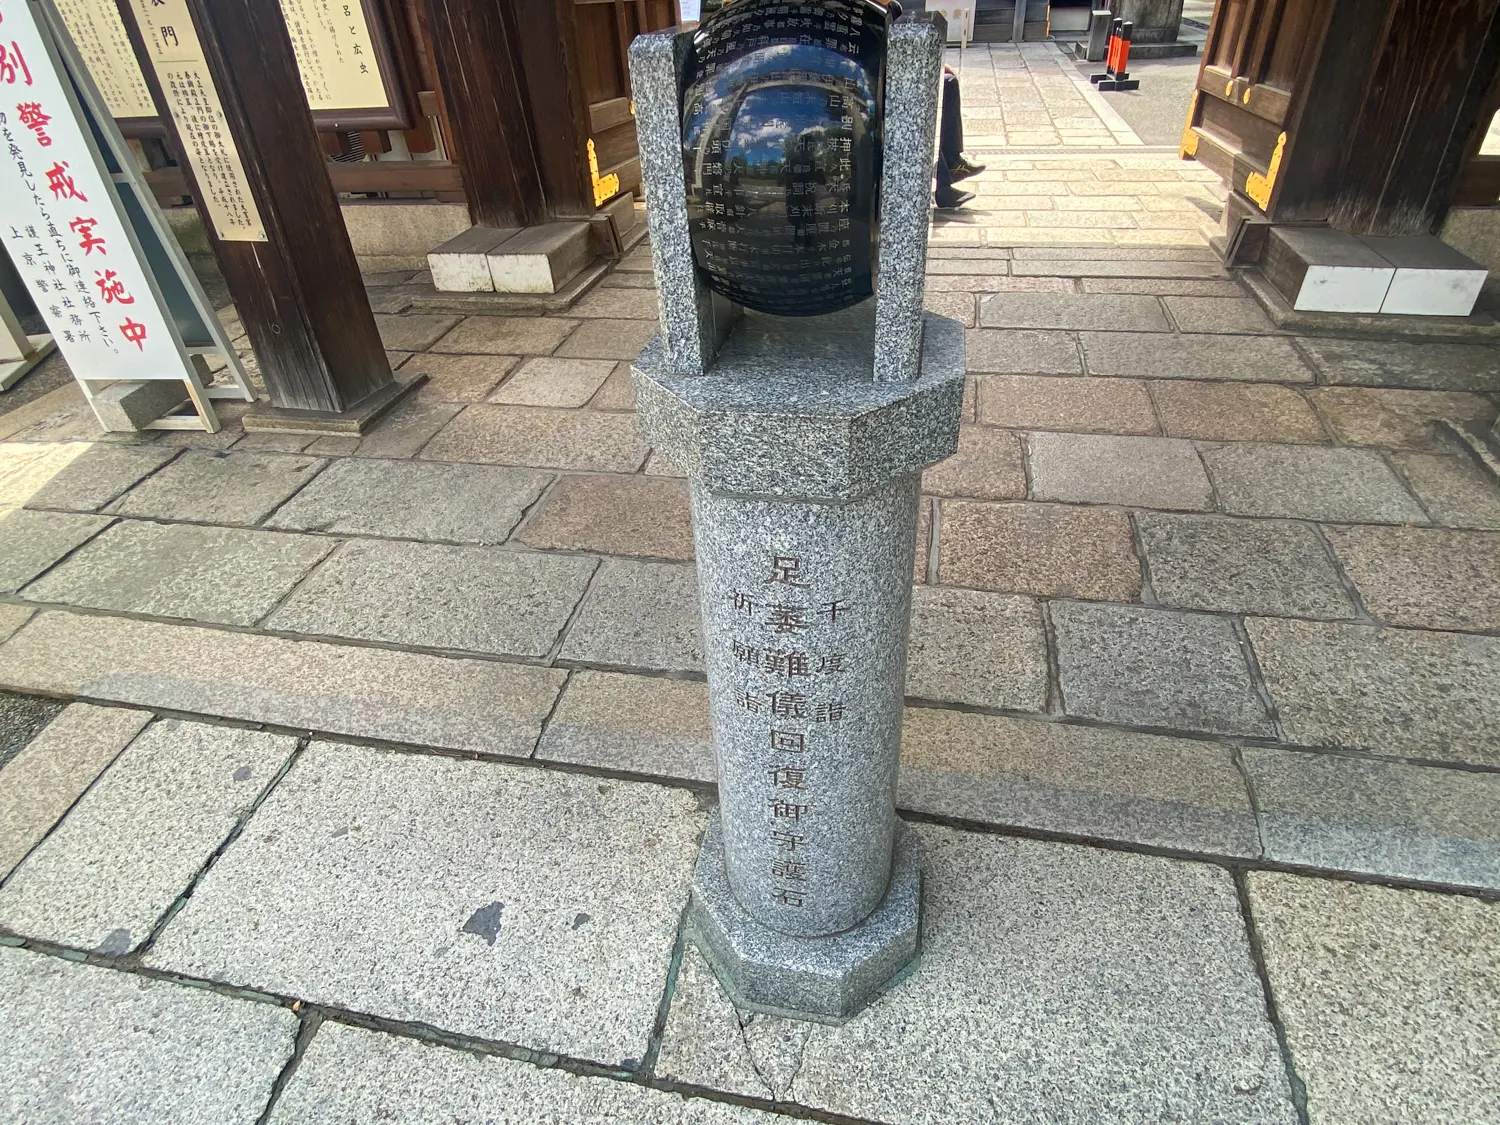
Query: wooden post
x=560 y=114
x=485 y=97
x=297 y=287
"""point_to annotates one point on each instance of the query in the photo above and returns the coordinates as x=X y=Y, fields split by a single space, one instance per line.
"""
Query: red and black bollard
x=1116 y=74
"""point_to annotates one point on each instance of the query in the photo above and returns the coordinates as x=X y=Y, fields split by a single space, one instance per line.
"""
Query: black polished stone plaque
x=782 y=111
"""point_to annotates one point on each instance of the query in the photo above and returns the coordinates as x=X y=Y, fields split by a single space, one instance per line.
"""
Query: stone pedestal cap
x=790 y=408
x=824 y=978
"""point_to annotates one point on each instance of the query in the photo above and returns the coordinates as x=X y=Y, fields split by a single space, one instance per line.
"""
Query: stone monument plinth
x=804 y=438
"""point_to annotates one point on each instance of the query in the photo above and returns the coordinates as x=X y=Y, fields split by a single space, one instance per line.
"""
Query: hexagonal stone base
x=827 y=979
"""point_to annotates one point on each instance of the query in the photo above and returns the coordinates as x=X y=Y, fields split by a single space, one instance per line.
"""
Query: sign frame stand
x=19 y=352
x=194 y=327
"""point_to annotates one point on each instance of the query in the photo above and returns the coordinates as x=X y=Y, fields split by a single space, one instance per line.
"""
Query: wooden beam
x=548 y=50
x=606 y=115
x=368 y=175
x=483 y=92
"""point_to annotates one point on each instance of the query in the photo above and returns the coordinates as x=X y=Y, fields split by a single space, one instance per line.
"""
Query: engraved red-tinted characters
x=782 y=111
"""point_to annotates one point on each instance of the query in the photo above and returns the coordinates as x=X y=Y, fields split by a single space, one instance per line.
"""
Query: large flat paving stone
x=614 y=515
x=1385 y=363
x=1155 y=668
x=134 y=842
x=593 y=441
x=504 y=902
x=26 y=467
x=1425 y=577
x=1398 y=419
x=1454 y=490
x=424 y=500
x=1073 y=405
x=350 y=1074
x=100 y=474
x=1042 y=549
x=1309 y=482
x=414 y=333
x=1273 y=567
x=1102 y=311
x=1390 y=998
x=87 y=1044
x=1153 y=355
x=639 y=615
x=406 y=429
x=1143 y=472
x=1085 y=781
x=30 y=542
x=469 y=599
x=632 y=724
x=478 y=705
x=506 y=335
x=53 y=769
x=968 y=646
x=989 y=465
x=232 y=488
x=1236 y=412
x=1378 y=818
x=1056 y=983
x=546 y=381
x=459 y=378
x=224 y=575
x=22 y=717
x=1400 y=692
x=1021 y=352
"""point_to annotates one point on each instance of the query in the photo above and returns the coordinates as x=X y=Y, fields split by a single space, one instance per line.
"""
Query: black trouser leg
x=951 y=136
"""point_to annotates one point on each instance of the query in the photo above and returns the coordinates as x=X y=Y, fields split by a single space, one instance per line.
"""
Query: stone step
x=1318 y=269
x=539 y=259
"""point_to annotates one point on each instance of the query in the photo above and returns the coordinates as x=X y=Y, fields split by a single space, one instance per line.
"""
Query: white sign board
x=63 y=225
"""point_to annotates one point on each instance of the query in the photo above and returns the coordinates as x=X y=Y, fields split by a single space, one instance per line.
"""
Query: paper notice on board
x=99 y=35
x=692 y=10
x=193 y=101
x=335 y=54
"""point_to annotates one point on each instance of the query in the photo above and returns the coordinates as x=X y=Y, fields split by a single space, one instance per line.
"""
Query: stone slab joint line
x=541 y=730
x=1362 y=614
x=307 y=573
x=309 y=1021
x=550 y=660
x=1236 y=755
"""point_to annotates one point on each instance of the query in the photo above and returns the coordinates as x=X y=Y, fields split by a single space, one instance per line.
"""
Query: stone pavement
x=362 y=779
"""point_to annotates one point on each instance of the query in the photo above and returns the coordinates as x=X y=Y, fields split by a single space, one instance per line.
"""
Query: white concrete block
x=1432 y=278
x=541 y=259
x=461 y=265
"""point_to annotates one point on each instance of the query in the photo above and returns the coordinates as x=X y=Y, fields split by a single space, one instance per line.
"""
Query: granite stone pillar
x=804 y=439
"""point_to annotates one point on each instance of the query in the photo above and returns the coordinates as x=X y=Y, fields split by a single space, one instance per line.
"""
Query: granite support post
x=804 y=440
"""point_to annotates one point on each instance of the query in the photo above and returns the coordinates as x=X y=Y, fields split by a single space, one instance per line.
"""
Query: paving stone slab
x=1388 y=363
x=1026 y=353
x=609 y=339
x=622 y=304
x=1378 y=818
x=1091 y=267
x=1390 y=998
x=477 y=705
x=1397 y=419
x=1425 y=577
x=957 y=306
x=1155 y=668
x=1236 y=412
x=469 y=599
x=506 y=335
x=1041 y=549
x=1400 y=692
x=459 y=378
x=1272 y=567
x=224 y=575
x=229 y=488
x=639 y=615
x=414 y=333
x=1163 y=287
x=137 y=838
x=100 y=474
x=1142 y=472
x=545 y=381
x=406 y=429
x=1074 y=405
x=350 y=1074
x=967 y=646
x=12 y=617
x=1058 y=777
x=634 y=724
x=987 y=466
x=509 y=903
x=22 y=718
x=1309 y=482
x=1099 y=311
x=52 y=769
x=617 y=392
x=1239 y=315
x=90 y=1044
x=1454 y=490
x=590 y=440
x=1149 y=355
x=1054 y=979
x=30 y=542
x=427 y=500
x=614 y=515
x=27 y=466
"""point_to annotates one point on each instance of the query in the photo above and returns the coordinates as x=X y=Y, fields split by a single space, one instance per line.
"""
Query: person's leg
x=947 y=195
x=951 y=135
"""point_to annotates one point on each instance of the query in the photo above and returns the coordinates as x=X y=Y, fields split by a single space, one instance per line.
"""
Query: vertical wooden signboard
x=76 y=232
